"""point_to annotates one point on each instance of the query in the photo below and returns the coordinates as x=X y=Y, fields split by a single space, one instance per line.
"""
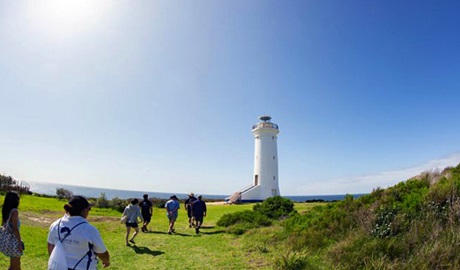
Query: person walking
x=132 y=213
x=172 y=208
x=147 y=211
x=10 y=215
x=188 y=207
x=199 y=211
x=80 y=240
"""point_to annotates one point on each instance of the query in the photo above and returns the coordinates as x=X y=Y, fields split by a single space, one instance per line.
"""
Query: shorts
x=147 y=218
x=132 y=224
x=172 y=217
x=189 y=213
x=199 y=219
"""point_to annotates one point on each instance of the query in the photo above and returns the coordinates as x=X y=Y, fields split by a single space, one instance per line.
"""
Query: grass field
x=213 y=248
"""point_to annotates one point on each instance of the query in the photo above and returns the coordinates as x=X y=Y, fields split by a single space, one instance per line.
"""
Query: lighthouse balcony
x=265 y=125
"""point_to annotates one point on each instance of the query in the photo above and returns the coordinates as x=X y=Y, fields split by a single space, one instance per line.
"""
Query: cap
x=173 y=197
x=191 y=194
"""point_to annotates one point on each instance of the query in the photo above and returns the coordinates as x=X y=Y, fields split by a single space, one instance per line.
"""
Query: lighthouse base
x=252 y=194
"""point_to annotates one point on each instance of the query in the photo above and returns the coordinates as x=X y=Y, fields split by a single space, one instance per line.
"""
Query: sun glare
x=62 y=18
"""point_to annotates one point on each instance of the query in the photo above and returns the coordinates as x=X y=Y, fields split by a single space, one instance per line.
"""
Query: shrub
x=383 y=222
x=246 y=216
x=102 y=201
x=292 y=261
x=275 y=207
x=118 y=204
x=159 y=203
x=63 y=193
x=240 y=222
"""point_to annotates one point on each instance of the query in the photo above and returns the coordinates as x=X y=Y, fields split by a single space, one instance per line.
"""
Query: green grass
x=212 y=249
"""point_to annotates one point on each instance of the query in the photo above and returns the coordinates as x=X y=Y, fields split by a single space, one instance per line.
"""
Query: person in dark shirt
x=188 y=207
x=199 y=211
x=147 y=211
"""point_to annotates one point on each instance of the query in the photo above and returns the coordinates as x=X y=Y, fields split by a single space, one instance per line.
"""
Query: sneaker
x=197 y=230
x=169 y=232
x=173 y=230
x=132 y=241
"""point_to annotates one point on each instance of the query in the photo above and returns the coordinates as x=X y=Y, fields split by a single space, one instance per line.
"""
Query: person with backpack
x=80 y=241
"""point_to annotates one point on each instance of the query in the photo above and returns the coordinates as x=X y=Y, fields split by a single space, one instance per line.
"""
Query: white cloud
x=366 y=183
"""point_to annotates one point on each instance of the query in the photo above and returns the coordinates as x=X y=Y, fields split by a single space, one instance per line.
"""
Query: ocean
x=50 y=189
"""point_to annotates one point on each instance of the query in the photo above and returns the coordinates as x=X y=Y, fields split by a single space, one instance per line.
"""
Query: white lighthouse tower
x=265 y=178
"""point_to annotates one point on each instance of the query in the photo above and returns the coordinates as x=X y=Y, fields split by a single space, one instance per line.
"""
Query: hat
x=173 y=197
x=191 y=194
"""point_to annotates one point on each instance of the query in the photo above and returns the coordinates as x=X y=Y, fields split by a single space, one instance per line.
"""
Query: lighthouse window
x=273 y=137
x=273 y=178
x=273 y=157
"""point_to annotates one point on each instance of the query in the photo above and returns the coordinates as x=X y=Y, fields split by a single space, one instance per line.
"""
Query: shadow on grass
x=146 y=250
x=214 y=232
x=176 y=233
x=181 y=234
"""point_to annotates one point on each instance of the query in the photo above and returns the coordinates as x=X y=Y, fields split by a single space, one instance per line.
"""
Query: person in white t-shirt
x=82 y=242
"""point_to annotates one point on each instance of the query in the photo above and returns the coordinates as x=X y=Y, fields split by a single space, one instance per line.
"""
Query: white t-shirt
x=76 y=243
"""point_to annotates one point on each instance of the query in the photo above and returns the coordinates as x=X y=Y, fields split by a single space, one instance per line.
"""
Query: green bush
x=246 y=216
x=234 y=218
x=275 y=207
x=118 y=204
x=240 y=222
x=384 y=221
x=102 y=201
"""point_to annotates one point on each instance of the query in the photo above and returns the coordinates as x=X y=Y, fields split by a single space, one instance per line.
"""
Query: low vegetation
x=262 y=215
x=412 y=225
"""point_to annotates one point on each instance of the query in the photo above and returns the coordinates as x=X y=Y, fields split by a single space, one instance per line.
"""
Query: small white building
x=265 y=178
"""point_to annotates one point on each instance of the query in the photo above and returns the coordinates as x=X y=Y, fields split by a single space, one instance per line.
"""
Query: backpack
x=58 y=258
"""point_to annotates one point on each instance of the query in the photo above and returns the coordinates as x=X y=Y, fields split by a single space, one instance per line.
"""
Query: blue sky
x=161 y=95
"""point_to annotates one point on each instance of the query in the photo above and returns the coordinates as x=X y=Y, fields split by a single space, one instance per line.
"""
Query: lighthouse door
x=256 y=180
x=274 y=193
